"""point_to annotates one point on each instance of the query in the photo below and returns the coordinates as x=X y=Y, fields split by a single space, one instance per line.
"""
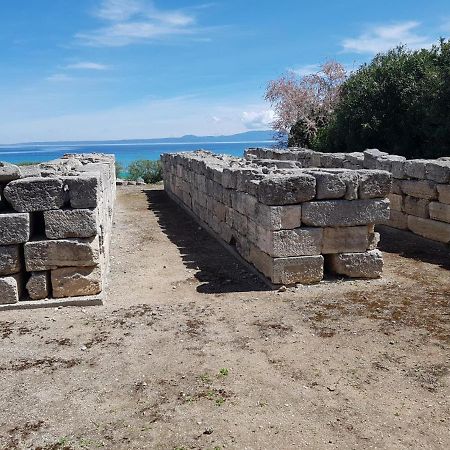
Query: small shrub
x=149 y=171
x=119 y=169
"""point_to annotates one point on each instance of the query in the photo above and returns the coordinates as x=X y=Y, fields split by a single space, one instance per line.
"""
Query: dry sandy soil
x=191 y=351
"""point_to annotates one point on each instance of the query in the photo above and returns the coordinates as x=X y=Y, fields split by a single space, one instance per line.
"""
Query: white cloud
x=307 y=69
x=87 y=65
x=134 y=21
x=59 y=77
x=384 y=37
x=258 y=120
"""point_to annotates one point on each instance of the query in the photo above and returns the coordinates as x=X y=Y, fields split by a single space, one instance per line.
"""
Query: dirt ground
x=192 y=352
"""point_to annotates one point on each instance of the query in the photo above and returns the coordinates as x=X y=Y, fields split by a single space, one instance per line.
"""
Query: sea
x=125 y=152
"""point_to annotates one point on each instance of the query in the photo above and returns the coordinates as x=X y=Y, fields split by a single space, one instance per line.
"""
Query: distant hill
x=248 y=136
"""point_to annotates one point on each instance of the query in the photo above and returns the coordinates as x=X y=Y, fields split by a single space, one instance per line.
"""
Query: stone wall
x=290 y=223
x=55 y=228
x=420 y=194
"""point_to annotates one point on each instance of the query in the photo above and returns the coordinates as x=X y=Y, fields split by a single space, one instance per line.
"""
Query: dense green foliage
x=399 y=103
x=149 y=171
x=119 y=169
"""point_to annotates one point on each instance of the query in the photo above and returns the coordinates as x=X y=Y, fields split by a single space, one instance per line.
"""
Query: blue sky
x=117 y=69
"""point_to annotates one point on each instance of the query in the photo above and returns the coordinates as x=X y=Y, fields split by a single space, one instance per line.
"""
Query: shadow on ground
x=217 y=269
x=411 y=246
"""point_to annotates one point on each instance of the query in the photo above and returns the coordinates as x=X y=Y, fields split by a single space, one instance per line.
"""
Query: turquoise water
x=125 y=153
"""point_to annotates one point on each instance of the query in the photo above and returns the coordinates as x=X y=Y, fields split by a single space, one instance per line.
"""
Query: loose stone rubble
x=290 y=222
x=420 y=192
x=55 y=229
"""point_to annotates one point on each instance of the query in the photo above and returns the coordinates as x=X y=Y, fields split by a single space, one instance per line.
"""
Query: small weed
x=223 y=372
x=205 y=378
x=220 y=401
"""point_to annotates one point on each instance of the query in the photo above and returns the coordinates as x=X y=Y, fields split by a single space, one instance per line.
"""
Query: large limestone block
x=70 y=223
x=387 y=162
x=396 y=202
x=430 y=229
x=345 y=213
x=287 y=190
x=329 y=185
x=46 y=255
x=440 y=211
x=298 y=242
x=416 y=207
x=371 y=156
x=10 y=289
x=83 y=191
x=38 y=285
x=9 y=172
x=9 y=259
x=444 y=193
x=345 y=239
x=438 y=171
x=14 y=228
x=398 y=220
x=420 y=189
x=285 y=217
x=416 y=168
x=374 y=183
x=35 y=194
x=357 y=265
x=76 y=281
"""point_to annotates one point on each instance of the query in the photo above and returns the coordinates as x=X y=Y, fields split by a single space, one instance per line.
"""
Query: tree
x=399 y=103
x=304 y=104
x=149 y=171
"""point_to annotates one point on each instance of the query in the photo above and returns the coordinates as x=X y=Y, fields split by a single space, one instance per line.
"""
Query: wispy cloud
x=87 y=65
x=134 y=21
x=59 y=77
x=258 y=120
x=306 y=69
x=384 y=37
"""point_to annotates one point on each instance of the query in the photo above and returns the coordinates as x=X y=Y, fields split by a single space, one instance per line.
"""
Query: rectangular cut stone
x=45 y=255
x=287 y=190
x=9 y=259
x=440 y=211
x=398 y=167
x=345 y=239
x=35 y=194
x=396 y=202
x=298 y=242
x=284 y=217
x=420 y=189
x=14 y=228
x=329 y=185
x=430 y=229
x=345 y=213
x=10 y=289
x=371 y=157
x=438 y=171
x=83 y=191
x=444 y=193
x=374 y=183
x=76 y=281
x=70 y=223
x=38 y=285
x=357 y=265
x=398 y=220
x=416 y=168
x=416 y=206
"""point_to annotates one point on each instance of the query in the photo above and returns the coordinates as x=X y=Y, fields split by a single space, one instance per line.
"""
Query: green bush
x=119 y=169
x=149 y=171
x=399 y=103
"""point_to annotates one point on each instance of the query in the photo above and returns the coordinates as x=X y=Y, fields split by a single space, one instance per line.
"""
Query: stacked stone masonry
x=420 y=193
x=291 y=223
x=55 y=228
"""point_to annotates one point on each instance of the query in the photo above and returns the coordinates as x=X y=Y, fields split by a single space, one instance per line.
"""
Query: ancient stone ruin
x=288 y=221
x=55 y=228
x=420 y=193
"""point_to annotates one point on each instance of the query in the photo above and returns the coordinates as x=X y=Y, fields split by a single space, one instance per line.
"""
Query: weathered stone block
x=430 y=229
x=420 y=189
x=345 y=239
x=440 y=211
x=301 y=269
x=357 y=265
x=46 y=255
x=345 y=213
x=9 y=172
x=415 y=168
x=10 y=259
x=371 y=157
x=438 y=171
x=396 y=202
x=298 y=242
x=35 y=194
x=10 y=288
x=14 y=228
x=329 y=185
x=444 y=193
x=285 y=217
x=374 y=240
x=70 y=223
x=76 y=281
x=398 y=167
x=287 y=190
x=398 y=220
x=38 y=286
x=374 y=183
x=83 y=191
x=416 y=206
